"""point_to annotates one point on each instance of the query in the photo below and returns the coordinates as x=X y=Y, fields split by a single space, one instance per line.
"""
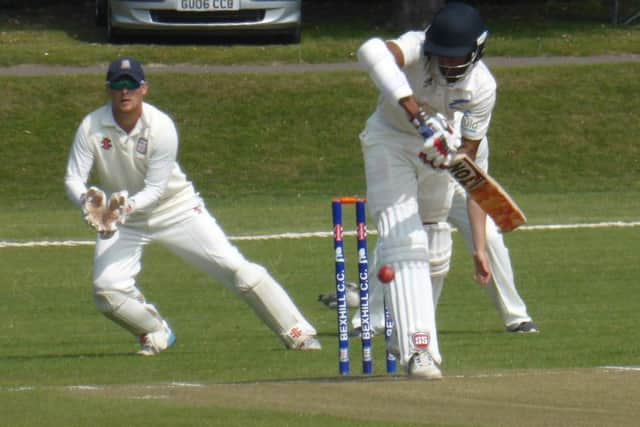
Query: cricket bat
x=487 y=193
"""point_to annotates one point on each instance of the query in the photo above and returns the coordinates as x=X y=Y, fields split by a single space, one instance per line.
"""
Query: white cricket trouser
x=502 y=288
x=200 y=241
x=400 y=190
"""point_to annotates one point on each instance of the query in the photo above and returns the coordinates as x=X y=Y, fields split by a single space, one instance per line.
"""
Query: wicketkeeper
x=142 y=196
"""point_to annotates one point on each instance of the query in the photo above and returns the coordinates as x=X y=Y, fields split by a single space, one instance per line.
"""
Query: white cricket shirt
x=468 y=102
x=142 y=162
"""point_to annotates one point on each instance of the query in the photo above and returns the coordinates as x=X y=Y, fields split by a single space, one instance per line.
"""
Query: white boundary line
x=71 y=243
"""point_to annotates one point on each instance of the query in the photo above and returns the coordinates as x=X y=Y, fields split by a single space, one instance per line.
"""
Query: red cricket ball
x=386 y=274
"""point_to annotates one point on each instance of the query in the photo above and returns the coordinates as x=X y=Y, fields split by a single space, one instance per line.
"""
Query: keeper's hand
x=440 y=141
x=92 y=206
x=114 y=213
x=103 y=217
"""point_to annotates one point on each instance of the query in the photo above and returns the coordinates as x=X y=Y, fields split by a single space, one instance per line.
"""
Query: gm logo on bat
x=466 y=175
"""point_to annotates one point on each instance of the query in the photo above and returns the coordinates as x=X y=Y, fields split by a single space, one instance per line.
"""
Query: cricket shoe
x=524 y=328
x=154 y=342
x=423 y=366
x=308 y=343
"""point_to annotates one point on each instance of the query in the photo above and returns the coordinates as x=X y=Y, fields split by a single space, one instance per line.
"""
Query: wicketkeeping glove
x=93 y=207
x=440 y=141
x=104 y=217
x=114 y=213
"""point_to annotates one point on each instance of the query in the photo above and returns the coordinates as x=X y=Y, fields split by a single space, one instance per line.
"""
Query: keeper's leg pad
x=272 y=304
x=402 y=243
x=131 y=313
x=440 y=250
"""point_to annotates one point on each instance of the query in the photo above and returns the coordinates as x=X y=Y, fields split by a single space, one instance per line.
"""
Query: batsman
x=436 y=100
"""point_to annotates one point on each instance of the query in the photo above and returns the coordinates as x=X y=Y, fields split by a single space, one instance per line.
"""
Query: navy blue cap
x=125 y=67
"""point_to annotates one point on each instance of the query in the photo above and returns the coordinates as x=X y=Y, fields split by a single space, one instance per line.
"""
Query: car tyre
x=113 y=34
x=294 y=36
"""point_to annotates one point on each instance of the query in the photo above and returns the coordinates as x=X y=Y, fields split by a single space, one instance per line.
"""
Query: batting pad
x=440 y=250
x=411 y=304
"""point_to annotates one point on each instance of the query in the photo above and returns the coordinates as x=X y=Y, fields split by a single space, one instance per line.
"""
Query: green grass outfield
x=267 y=152
x=62 y=364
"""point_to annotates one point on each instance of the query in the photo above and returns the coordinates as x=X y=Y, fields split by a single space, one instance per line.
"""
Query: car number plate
x=208 y=5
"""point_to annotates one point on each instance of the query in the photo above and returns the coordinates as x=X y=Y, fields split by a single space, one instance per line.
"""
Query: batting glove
x=440 y=141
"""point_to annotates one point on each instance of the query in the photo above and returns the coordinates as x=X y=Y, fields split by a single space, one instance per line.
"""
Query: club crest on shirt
x=106 y=143
x=141 y=146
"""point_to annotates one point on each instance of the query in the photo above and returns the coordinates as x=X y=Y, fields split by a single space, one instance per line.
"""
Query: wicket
x=363 y=279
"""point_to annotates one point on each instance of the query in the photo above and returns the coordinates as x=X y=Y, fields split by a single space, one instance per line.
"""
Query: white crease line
x=84 y=387
x=186 y=385
x=622 y=368
x=519 y=373
x=281 y=236
x=150 y=397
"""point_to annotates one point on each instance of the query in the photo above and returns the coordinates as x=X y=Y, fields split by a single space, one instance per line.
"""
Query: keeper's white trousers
x=199 y=240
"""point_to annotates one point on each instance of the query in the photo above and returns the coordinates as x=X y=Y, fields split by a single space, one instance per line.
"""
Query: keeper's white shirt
x=142 y=162
x=468 y=103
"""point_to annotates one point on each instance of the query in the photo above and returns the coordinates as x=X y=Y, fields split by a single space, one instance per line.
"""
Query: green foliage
x=332 y=31
x=564 y=129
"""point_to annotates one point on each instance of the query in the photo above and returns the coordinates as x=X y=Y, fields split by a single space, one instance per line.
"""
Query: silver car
x=232 y=18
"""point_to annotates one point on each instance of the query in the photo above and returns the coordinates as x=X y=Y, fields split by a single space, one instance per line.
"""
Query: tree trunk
x=414 y=14
x=614 y=10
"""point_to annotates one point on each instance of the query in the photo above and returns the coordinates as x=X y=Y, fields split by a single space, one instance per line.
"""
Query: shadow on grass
x=477 y=332
x=68 y=356
x=452 y=332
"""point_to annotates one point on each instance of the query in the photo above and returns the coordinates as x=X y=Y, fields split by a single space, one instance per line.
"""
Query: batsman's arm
x=469 y=147
x=384 y=62
x=383 y=65
x=478 y=221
